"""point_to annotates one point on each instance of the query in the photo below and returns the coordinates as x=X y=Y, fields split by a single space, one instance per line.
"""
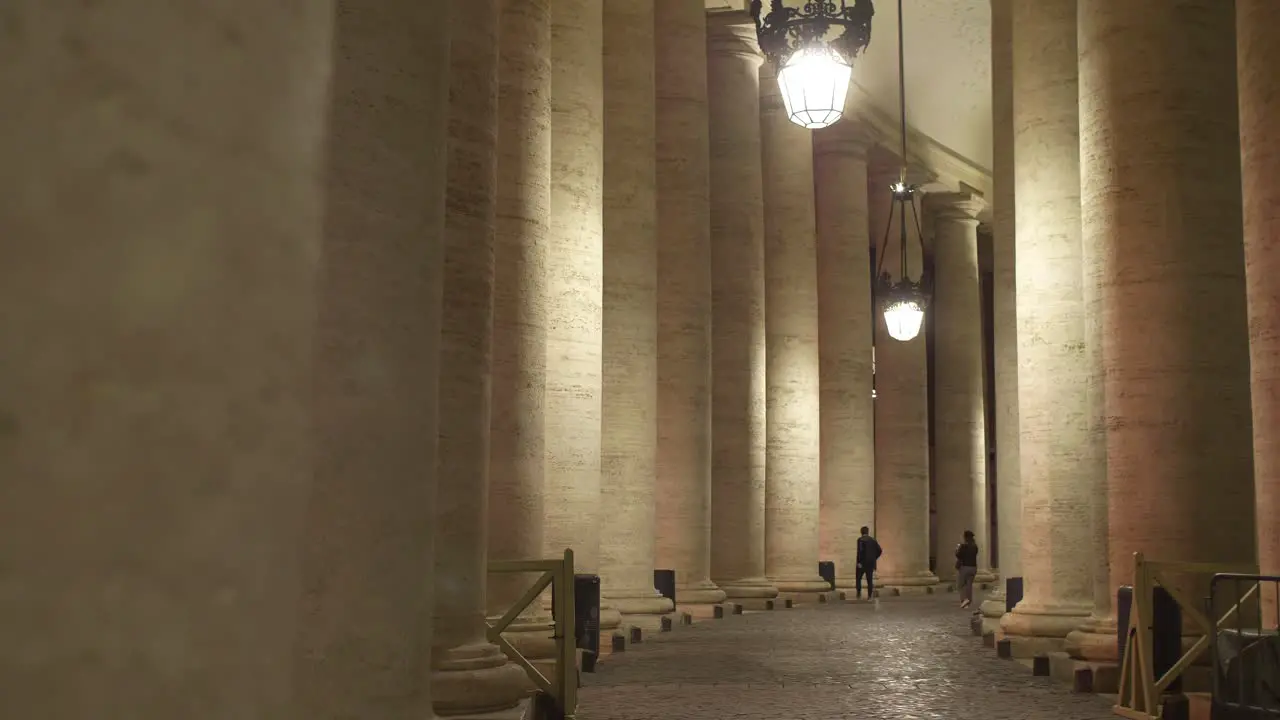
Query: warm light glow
x=903 y=319
x=814 y=84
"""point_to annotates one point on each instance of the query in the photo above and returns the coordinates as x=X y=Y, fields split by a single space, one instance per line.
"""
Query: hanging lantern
x=903 y=300
x=812 y=45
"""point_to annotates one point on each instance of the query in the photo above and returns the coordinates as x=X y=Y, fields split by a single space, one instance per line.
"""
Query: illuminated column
x=1004 y=312
x=629 y=424
x=737 y=291
x=847 y=463
x=901 y=423
x=521 y=239
x=1257 y=23
x=470 y=675
x=1158 y=109
x=960 y=448
x=791 y=348
x=575 y=279
x=1057 y=551
x=683 y=530
x=159 y=286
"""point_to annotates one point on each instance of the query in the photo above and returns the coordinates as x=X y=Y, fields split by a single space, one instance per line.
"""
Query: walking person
x=966 y=567
x=868 y=552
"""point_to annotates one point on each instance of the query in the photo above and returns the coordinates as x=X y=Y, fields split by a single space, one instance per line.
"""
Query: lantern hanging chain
x=902 y=95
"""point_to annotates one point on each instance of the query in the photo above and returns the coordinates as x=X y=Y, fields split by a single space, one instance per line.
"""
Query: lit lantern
x=812 y=45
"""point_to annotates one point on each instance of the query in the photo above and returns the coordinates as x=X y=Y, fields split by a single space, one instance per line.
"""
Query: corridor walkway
x=912 y=659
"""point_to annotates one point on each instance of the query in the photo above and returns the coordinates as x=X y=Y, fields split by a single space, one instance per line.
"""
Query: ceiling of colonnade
x=948 y=64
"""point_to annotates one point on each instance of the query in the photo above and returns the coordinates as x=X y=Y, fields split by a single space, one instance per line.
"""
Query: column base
x=992 y=609
x=917 y=583
x=1085 y=676
x=475 y=680
x=757 y=587
x=800 y=585
x=985 y=576
x=1094 y=641
x=1039 y=620
x=641 y=609
x=703 y=592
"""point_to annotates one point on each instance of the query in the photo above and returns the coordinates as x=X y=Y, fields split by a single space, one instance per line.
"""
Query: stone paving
x=913 y=658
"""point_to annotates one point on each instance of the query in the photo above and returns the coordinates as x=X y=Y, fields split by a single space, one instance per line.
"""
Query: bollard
x=664 y=581
x=827 y=571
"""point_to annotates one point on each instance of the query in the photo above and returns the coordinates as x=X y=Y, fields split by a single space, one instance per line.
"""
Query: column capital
x=726 y=36
x=850 y=137
x=957 y=206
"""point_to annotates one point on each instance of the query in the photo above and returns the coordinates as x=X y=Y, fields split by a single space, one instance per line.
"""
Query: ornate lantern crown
x=812 y=45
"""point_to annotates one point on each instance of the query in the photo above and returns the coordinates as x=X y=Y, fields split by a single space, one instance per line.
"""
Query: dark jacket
x=967 y=555
x=868 y=552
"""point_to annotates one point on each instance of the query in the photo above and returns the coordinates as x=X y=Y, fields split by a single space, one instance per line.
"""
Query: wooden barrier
x=1140 y=690
x=563 y=688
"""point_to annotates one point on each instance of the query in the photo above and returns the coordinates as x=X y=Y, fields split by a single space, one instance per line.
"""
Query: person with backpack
x=868 y=552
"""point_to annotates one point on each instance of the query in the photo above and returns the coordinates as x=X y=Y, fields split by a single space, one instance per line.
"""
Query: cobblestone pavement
x=913 y=658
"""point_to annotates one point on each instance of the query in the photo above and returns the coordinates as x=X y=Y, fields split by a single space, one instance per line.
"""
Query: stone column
x=683 y=503
x=737 y=296
x=1160 y=154
x=960 y=448
x=846 y=461
x=159 y=295
x=1004 y=312
x=469 y=674
x=792 y=496
x=629 y=433
x=901 y=420
x=1257 y=23
x=1057 y=557
x=519 y=342
x=575 y=279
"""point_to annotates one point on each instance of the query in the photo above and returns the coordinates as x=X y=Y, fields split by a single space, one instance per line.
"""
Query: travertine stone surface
x=683 y=148
x=159 y=298
x=523 y=215
x=847 y=462
x=791 y=347
x=1157 y=192
x=469 y=674
x=575 y=277
x=960 y=447
x=737 y=287
x=1258 y=47
x=1004 y=312
x=366 y=641
x=1095 y=639
x=1057 y=557
x=901 y=418
x=629 y=433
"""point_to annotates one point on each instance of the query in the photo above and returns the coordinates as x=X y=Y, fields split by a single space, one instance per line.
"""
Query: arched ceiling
x=948 y=64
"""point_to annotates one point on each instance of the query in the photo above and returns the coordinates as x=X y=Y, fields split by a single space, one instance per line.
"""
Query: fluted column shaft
x=792 y=495
x=737 y=292
x=365 y=642
x=469 y=674
x=159 y=306
x=629 y=423
x=901 y=419
x=519 y=342
x=683 y=227
x=1258 y=44
x=847 y=463
x=1057 y=558
x=960 y=448
x=1159 y=191
x=575 y=278
x=1004 y=313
